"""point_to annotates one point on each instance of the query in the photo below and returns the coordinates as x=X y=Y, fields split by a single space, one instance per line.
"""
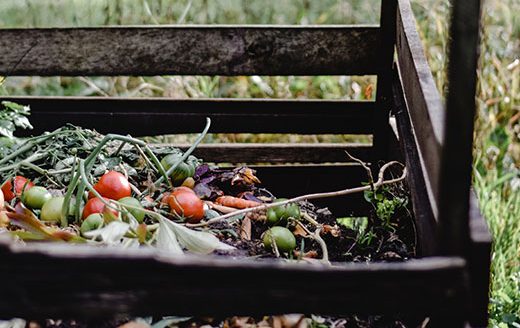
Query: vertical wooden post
x=456 y=164
x=384 y=78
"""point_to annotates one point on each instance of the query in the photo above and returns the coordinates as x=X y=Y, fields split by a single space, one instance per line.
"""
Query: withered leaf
x=245 y=229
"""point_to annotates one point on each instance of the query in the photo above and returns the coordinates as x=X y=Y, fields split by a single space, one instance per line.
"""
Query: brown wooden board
x=479 y=261
x=457 y=160
x=422 y=98
x=191 y=50
x=384 y=78
x=424 y=219
x=280 y=153
x=154 y=116
x=91 y=282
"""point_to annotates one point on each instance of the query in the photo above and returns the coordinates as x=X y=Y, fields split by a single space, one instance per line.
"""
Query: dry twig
x=380 y=182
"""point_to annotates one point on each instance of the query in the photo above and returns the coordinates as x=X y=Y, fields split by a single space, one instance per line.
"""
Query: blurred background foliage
x=497 y=135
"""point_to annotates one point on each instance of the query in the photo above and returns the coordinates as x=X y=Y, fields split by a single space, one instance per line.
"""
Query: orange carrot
x=236 y=202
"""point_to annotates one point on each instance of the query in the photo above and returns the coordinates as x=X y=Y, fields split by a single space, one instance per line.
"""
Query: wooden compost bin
x=449 y=282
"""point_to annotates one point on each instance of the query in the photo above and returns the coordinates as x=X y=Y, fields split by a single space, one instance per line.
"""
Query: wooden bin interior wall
x=408 y=90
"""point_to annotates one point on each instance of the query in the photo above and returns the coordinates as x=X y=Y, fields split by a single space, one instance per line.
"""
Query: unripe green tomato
x=92 y=222
x=271 y=216
x=292 y=211
x=36 y=197
x=51 y=210
x=280 y=214
x=182 y=171
x=136 y=213
x=283 y=237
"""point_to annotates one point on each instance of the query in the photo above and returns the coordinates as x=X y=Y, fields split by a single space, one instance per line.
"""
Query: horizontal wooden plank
x=281 y=152
x=154 y=116
x=145 y=282
x=422 y=97
x=191 y=50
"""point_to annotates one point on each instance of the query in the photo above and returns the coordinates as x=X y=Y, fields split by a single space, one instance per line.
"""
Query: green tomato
x=92 y=222
x=138 y=214
x=283 y=237
x=182 y=171
x=292 y=211
x=35 y=197
x=280 y=214
x=51 y=210
x=271 y=216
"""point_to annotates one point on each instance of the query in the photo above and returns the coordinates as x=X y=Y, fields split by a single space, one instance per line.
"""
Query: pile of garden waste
x=75 y=185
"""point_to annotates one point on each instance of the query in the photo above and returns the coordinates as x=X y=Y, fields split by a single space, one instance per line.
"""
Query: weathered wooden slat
x=192 y=50
x=280 y=153
x=479 y=261
x=384 y=78
x=145 y=282
x=422 y=97
x=422 y=208
x=154 y=116
x=457 y=156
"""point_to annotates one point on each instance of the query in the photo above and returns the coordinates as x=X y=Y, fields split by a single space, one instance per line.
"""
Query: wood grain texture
x=384 y=78
x=146 y=282
x=457 y=156
x=280 y=153
x=422 y=97
x=423 y=214
x=192 y=50
x=155 y=116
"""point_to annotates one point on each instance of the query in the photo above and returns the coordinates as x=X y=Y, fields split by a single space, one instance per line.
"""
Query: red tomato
x=19 y=183
x=187 y=204
x=184 y=188
x=113 y=185
x=95 y=205
x=165 y=198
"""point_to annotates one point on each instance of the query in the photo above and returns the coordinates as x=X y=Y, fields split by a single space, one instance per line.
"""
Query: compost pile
x=75 y=185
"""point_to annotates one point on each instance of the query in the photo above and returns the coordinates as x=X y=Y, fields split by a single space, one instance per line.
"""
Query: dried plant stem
x=367 y=169
x=323 y=245
x=380 y=182
x=309 y=218
x=274 y=246
x=316 y=235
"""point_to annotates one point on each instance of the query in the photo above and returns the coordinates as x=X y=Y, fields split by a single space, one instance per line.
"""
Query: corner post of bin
x=456 y=161
x=462 y=229
x=384 y=98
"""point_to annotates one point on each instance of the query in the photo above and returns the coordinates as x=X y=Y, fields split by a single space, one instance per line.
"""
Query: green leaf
x=168 y=321
x=167 y=239
x=110 y=234
x=7 y=128
x=358 y=224
x=13 y=115
x=199 y=242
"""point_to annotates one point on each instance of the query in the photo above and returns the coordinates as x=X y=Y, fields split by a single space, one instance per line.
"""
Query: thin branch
x=380 y=182
x=364 y=165
x=323 y=245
